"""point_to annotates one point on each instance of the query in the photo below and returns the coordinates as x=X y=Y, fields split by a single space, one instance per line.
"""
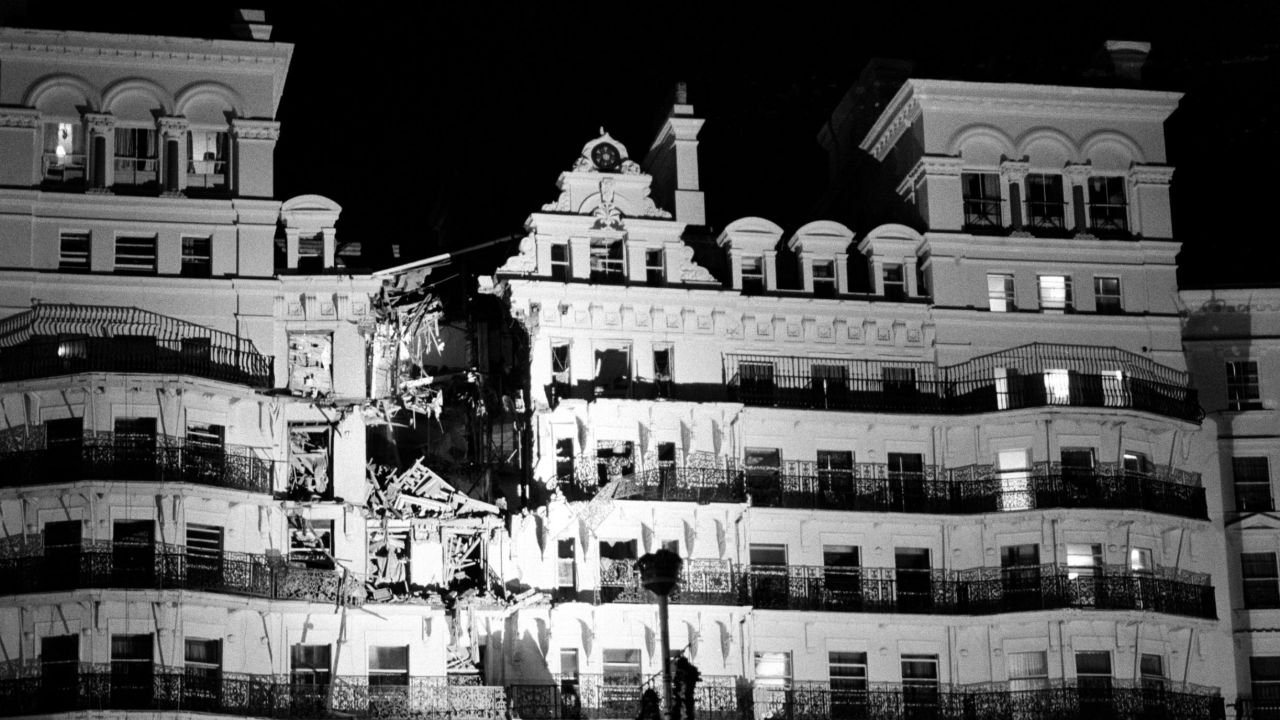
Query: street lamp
x=659 y=573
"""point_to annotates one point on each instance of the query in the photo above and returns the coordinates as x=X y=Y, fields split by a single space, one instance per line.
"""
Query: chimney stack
x=250 y=24
x=673 y=162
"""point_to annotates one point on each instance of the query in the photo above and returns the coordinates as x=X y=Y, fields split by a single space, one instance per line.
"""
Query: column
x=1013 y=176
x=173 y=155
x=1076 y=178
x=100 y=143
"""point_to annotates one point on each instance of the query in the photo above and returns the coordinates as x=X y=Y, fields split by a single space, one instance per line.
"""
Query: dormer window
x=63 y=159
x=752 y=274
x=1108 y=211
x=1045 y=207
x=895 y=282
x=136 y=158
x=824 y=278
x=981 y=200
x=608 y=261
x=560 y=262
x=655 y=272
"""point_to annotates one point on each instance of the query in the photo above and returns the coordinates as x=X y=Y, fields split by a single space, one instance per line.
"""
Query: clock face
x=605 y=156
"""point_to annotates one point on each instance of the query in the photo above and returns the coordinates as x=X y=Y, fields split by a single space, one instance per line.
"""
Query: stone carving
x=607 y=214
x=255 y=130
x=560 y=204
x=649 y=209
x=690 y=271
x=630 y=168
x=14 y=118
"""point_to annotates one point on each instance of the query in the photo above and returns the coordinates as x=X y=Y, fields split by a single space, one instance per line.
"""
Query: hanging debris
x=419 y=493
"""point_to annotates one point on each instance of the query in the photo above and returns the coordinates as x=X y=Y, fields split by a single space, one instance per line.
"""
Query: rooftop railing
x=160 y=566
x=34 y=460
x=1035 y=375
x=139 y=686
x=590 y=697
x=975 y=591
x=874 y=487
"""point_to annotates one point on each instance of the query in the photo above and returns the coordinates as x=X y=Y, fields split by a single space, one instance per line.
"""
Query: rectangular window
x=662 y=371
x=755 y=380
x=621 y=667
x=310 y=461
x=1055 y=293
x=560 y=362
x=981 y=200
x=566 y=573
x=1264 y=680
x=898 y=380
x=1261 y=580
x=204 y=556
x=311 y=542
x=136 y=254
x=608 y=260
x=560 y=261
x=569 y=662
x=841 y=571
x=613 y=370
x=1045 y=207
x=1013 y=468
x=1057 y=386
x=835 y=472
x=824 y=278
x=60 y=665
x=309 y=666
x=906 y=479
x=1151 y=668
x=207 y=152
x=1106 y=295
x=131 y=670
x=848 y=677
x=203 y=668
x=73 y=252
x=913 y=575
x=895 y=282
x=564 y=459
x=773 y=670
x=1000 y=297
x=919 y=686
x=388 y=666
x=311 y=363
x=763 y=474
x=1083 y=560
x=768 y=554
x=1108 y=211
x=1093 y=668
x=63 y=159
x=753 y=274
x=135 y=156
x=196 y=256
x=655 y=271
x=1028 y=670
x=1252 y=479
x=1242 y=385
x=1141 y=561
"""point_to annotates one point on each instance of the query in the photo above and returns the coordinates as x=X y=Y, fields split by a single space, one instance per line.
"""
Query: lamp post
x=659 y=573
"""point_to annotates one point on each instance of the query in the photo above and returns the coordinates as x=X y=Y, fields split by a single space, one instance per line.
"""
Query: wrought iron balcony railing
x=1258 y=708
x=28 y=457
x=161 y=566
x=873 y=487
x=1029 y=376
x=588 y=697
x=975 y=591
x=132 y=686
x=52 y=340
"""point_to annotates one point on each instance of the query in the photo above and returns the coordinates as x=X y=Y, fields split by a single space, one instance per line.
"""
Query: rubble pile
x=420 y=493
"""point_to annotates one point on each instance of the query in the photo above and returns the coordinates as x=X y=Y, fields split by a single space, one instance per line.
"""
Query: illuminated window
x=388 y=666
x=207 y=153
x=1140 y=561
x=1083 y=560
x=1057 y=386
x=1055 y=293
x=63 y=157
x=1014 y=471
x=773 y=670
x=1028 y=670
x=1000 y=297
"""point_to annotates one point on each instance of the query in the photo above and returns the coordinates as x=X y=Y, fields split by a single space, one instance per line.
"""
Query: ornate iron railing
x=129 y=686
x=588 y=697
x=161 y=566
x=1034 y=375
x=1258 y=708
x=974 y=591
x=28 y=458
x=873 y=487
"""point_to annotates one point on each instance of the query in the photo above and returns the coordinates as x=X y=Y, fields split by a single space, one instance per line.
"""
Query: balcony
x=63 y=170
x=730 y=698
x=110 y=456
x=1029 y=376
x=53 y=340
x=34 y=568
x=24 y=690
x=873 y=487
x=975 y=591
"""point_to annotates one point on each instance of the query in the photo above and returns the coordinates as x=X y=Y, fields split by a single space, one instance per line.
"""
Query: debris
x=420 y=493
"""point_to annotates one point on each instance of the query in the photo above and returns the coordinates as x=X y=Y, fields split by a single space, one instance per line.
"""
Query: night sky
x=442 y=125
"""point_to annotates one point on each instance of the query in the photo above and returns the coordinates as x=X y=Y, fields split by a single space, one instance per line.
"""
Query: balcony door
x=59 y=672
x=134 y=447
x=1020 y=576
x=310 y=673
x=906 y=481
x=64 y=444
x=204 y=557
x=764 y=476
x=133 y=553
x=913 y=577
x=1078 y=478
x=770 y=587
x=62 y=555
x=1013 y=470
x=132 y=676
x=1093 y=682
x=202 y=675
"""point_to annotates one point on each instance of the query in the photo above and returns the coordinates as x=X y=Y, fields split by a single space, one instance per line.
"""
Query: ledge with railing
x=1029 y=376
x=31 y=567
x=29 y=457
x=586 y=697
x=139 y=686
x=974 y=591
x=874 y=487
x=66 y=168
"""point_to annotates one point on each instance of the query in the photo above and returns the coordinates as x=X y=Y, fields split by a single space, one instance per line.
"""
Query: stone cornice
x=902 y=111
x=1015 y=170
x=173 y=125
x=108 y=47
x=19 y=118
x=1242 y=300
x=1033 y=251
x=99 y=121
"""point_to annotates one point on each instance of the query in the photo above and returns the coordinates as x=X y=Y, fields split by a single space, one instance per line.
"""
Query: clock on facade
x=605 y=156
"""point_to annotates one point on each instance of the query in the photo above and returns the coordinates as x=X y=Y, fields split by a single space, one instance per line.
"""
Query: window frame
x=1004 y=298
x=824 y=285
x=655 y=266
x=1107 y=303
x=1261 y=590
x=75 y=260
x=1040 y=204
x=752 y=282
x=1050 y=304
x=1106 y=216
x=1244 y=385
x=1252 y=474
x=134 y=257
x=196 y=263
x=978 y=207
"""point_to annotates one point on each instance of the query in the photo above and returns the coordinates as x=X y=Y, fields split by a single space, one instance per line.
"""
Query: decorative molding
x=100 y=122
x=173 y=126
x=691 y=271
x=560 y=204
x=525 y=261
x=244 y=129
x=903 y=119
x=607 y=214
x=1015 y=170
x=19 y=118
x=1078 y=173
x=1150 y=175
x=167 y=57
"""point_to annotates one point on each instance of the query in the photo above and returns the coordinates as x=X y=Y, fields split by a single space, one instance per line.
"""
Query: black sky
x=441 y=125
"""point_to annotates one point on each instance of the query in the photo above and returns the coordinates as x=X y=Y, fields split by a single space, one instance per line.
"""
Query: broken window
x=608 y=262
x=311 y=542
x=613 y=370
x=560 y=362
x=614 y=460
x=309 y=461
x=389 y=559
x=311 y=363
x=662 y=371
x=566 y=574
x=388 y=667
x=564 y=459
